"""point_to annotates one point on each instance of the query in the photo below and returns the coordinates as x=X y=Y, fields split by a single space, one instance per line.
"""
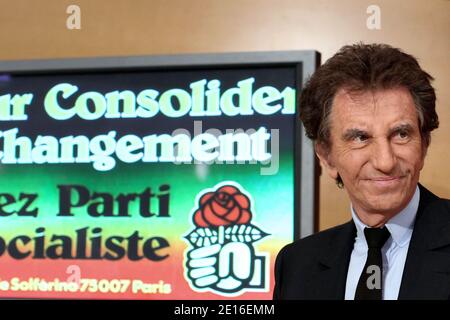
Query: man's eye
x=361 y=137
x=403 y=134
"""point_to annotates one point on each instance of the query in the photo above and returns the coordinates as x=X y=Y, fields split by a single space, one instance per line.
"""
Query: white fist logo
x=222 y=258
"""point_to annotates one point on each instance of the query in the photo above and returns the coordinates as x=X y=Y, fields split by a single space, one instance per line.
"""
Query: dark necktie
x=370 y=282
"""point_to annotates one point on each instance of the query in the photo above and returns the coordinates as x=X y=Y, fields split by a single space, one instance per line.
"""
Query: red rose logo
x=227 y=205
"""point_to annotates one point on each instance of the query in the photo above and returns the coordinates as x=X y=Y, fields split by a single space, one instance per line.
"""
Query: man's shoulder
x=316 y=243
x=441 y=204
x=440 y=207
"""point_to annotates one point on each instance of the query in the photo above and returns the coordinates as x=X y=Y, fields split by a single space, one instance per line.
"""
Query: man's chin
x=386 y=197
x=387 y=203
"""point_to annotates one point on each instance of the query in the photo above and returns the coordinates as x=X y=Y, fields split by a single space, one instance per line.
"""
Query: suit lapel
x=330 y=279
x=427 y=269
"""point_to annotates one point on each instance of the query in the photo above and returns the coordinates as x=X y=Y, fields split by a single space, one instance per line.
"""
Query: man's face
x=376 y=148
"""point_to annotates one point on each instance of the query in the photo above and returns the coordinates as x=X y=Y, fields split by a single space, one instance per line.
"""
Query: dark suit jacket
x=316 y=267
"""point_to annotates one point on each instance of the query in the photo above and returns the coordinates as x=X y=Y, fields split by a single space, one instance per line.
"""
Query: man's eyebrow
x=352 y=133
x=401 y=127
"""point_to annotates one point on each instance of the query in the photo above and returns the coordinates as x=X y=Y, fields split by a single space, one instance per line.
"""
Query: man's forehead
x=393 y=104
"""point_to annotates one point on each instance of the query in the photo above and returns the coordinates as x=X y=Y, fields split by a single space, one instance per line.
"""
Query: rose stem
x=221 y=234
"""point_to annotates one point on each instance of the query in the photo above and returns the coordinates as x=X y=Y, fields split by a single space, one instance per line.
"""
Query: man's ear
x=323 y=153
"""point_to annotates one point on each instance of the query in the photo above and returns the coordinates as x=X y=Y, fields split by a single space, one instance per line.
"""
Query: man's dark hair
x=365 y=67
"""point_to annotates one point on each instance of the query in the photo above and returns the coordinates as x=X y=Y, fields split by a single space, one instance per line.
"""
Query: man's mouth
x=386 y=181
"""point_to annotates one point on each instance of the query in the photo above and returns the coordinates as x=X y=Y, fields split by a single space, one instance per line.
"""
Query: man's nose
x=383 y=156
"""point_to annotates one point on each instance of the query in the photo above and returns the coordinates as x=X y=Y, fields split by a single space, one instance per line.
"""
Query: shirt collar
x=400 y=226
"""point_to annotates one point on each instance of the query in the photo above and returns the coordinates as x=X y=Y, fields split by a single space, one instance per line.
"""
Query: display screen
x=146 y=184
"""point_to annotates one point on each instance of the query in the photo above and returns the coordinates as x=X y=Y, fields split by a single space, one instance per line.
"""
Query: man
x=370 y=110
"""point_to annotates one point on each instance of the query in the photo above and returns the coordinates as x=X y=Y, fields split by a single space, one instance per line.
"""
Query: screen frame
x=305 y=62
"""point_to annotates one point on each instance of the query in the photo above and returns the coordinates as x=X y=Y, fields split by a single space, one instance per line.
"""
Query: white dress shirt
x=393 y=252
